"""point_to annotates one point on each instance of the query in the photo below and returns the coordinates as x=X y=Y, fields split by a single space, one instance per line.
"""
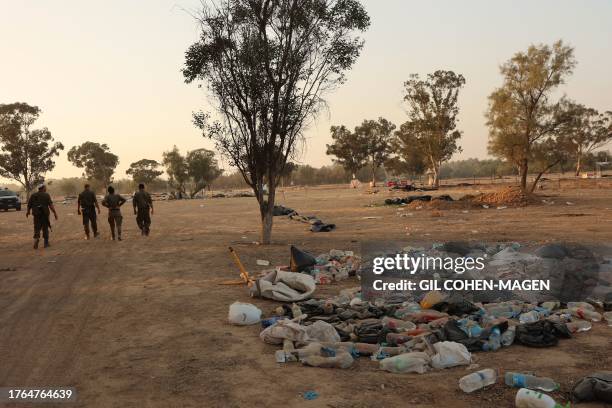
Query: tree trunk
x=266 y=209
x=436 y=176
x=373 y=175
x=524 y=167
x=578 y=165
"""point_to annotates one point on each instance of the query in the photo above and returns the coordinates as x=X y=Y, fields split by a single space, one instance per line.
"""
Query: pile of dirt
x=512 y=196
x=442 y=205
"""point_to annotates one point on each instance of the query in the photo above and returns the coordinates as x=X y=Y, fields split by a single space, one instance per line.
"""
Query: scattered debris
x=263 y=262
x=316 y=225
x=244 y=314
x=310 y=395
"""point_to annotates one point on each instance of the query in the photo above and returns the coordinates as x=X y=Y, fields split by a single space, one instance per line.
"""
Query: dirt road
x=142 y=323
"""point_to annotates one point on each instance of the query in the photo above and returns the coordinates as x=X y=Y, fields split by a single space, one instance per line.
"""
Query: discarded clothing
x=284 y=286
x=594 y=387
x=543 y=333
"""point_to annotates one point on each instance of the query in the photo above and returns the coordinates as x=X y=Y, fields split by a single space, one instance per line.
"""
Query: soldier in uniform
x=39 y=205
x=143 y=208
x=87 y=204
x=114 y=202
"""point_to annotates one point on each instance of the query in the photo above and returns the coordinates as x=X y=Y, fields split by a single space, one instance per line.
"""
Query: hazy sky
x=109 y=71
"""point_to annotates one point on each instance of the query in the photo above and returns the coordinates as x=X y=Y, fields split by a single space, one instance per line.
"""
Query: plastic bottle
x=507 y=310
x=530 y=317
x=469 y=327
x=578 y=326
x=271 y=320
x=494 y=342
x=415 y=362
x=397 y=324
x=532 y=399
x=552 y=305
x=478 y=380
x=432 y=298
x=519 y=380
x=580 y=305
x=508 y=336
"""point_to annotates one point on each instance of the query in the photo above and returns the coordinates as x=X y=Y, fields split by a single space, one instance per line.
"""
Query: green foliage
x=177 y=169
x=144 y=171
x=432 y=111
x=197 y=170
x=349 y=149
x=202 y=168
x=521 y=112
x=267 y=66
x=96 y=160
x=585 y=131
x=26 y=154
x=376 y=139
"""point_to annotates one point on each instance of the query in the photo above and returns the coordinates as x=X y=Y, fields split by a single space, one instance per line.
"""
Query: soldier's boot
x=47 y=244
x=112 y=232
x=36 y=242
x=86 y=232
x=119 y=233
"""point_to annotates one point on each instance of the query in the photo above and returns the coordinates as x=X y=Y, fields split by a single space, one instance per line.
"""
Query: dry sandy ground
x=142 y=323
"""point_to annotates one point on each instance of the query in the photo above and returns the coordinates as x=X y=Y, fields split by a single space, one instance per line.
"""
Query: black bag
x=300 y=260
x=594 y=387
x=543 y=333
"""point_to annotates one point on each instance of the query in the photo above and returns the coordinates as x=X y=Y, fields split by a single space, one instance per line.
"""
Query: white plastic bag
x=322 y=332
x=450 y=354
x=244 y=314
x=415 y=362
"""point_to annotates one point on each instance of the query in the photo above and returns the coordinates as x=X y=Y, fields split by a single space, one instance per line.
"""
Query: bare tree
x=267 y=65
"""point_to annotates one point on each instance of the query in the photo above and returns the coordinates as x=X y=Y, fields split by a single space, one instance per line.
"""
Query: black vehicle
x=9 y=199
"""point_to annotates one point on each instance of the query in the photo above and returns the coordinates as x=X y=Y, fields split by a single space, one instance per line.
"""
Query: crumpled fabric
x=543 y=333
x=594 y=387
x=289 y=330
x=284 y=286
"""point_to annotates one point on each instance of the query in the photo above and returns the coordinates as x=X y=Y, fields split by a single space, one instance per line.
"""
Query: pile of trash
x=316 y=225
x=298 y=280
x=439 y=332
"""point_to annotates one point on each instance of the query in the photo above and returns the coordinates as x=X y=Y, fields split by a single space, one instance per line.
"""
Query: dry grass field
x=142 y=323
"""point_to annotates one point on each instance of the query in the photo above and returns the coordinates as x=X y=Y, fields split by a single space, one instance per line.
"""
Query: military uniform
x=142 y=206
x=113 y=202
x=39 y=204
x=88 y=201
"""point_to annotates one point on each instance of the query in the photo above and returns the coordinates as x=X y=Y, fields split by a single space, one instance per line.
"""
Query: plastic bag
x=450 y=354
x=244 y=314
x=322 y=332
x=415 y=362
x=284 y=330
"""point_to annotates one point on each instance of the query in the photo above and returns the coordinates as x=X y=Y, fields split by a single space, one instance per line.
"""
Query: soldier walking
x=114 y=202
x=143 y=208
x=87 y=204
x=39 y=205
